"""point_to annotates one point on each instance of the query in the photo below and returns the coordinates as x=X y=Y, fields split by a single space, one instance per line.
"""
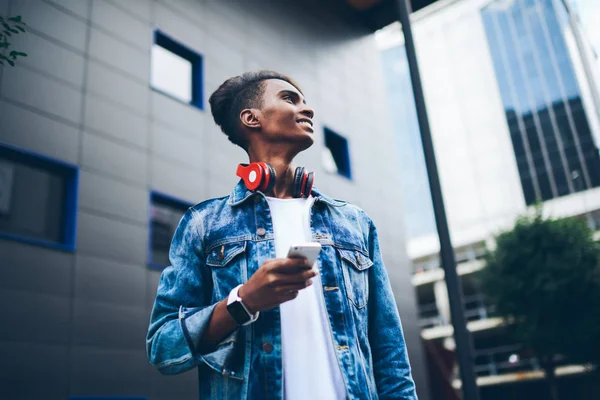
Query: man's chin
x=308 y=141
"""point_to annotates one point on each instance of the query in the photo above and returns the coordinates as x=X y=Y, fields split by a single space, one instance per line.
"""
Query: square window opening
x=176 y=70
x=336 y=155
x=38 y=199
x=165 y=214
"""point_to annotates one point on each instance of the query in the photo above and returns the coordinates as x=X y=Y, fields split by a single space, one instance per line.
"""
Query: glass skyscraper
x=550 y=133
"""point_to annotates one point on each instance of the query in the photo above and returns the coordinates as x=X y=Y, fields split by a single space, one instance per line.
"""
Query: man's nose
x=307 y=111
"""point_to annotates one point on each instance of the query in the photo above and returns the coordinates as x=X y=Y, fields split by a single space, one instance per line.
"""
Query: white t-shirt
x=310 y=366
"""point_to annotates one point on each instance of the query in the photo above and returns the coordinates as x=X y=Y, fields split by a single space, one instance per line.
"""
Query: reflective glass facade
x=589 y=13
x=417 y=206
x=549 y=129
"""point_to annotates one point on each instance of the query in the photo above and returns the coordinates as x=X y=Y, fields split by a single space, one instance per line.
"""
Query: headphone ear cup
x=272 y=178
x=265 y=177
x=251 y=174
x=310 y=180
x=303 y=185
x=298 y=179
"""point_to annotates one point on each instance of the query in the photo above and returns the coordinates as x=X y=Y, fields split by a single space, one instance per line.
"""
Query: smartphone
x=308 y=250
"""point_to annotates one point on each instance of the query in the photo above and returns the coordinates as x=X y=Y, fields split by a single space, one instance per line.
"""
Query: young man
x=259 y=325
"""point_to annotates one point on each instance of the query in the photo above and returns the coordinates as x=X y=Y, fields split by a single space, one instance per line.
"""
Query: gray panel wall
x=75 y=323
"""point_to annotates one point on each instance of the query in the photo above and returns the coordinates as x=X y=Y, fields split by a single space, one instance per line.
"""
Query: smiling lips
x=306 y=122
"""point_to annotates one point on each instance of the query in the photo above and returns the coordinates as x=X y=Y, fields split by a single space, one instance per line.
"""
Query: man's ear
x=250 y=118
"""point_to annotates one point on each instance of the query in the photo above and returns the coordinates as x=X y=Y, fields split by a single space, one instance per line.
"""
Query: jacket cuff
x=194 y=322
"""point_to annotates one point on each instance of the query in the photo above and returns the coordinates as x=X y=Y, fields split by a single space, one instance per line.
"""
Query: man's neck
x=285 y=175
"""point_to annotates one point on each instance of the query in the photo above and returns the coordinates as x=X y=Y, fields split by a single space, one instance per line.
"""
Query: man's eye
x=288 y=98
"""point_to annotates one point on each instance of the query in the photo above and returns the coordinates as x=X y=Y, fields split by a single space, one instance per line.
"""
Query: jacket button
x=267 y=347
x=261 y=231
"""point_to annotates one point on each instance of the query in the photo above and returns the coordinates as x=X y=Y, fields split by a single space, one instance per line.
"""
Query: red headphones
x=261 y=176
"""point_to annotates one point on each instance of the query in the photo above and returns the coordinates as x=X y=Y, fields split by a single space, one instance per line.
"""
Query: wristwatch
x=238 y=310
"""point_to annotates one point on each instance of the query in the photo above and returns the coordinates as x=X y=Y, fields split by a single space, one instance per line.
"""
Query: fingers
x=289 y=265
x=280 y=280
x=294 y=286
x=297 y=278
x=290 y=295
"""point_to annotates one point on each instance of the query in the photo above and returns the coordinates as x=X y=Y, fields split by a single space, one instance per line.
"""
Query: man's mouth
x=306 y=122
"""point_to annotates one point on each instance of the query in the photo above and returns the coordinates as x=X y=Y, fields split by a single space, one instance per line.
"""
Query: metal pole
x=464 y=346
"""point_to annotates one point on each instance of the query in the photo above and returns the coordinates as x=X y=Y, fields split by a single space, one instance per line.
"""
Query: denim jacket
x=219 y=244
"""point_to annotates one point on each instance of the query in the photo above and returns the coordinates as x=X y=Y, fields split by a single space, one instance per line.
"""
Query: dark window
x=38 y=199
x=165 y=214
x=338 y=146
x=528 y=190
x=176 y=70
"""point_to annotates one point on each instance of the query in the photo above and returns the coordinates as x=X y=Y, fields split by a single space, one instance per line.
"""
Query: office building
x=106 y=138
x=511 y=95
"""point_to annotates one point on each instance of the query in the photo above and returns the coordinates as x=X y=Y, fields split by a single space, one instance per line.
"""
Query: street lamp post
x=464 y=345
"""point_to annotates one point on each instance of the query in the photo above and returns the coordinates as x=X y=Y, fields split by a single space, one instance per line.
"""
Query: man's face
x=284 y=116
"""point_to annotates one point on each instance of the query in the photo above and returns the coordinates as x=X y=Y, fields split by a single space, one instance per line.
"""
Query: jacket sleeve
x=391 y=366
x=182 y=308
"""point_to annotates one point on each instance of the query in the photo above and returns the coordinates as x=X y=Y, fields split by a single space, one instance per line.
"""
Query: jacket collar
x=240 y=194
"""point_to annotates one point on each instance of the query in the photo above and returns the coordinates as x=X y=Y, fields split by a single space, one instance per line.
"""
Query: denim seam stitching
x=176 y=361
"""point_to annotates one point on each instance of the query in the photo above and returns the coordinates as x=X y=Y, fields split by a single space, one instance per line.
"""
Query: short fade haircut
x=237 y=94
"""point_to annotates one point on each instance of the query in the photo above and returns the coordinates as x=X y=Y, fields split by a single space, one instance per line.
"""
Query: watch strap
x=235 y=298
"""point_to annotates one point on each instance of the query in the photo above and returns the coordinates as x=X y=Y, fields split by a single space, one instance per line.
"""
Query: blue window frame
x=38 y=199
x=338 y=146
x=165 y=213
x=177 y=70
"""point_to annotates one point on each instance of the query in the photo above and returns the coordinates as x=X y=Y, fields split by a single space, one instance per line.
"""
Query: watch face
x=239 y=314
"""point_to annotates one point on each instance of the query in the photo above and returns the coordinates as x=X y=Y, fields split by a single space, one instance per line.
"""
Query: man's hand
x=278 y=280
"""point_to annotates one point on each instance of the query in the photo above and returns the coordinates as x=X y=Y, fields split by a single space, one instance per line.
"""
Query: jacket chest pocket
x=228 y=267
x=355 y=267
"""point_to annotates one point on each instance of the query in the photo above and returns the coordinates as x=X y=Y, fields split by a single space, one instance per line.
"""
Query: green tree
x=544 y=278
x=9 y=27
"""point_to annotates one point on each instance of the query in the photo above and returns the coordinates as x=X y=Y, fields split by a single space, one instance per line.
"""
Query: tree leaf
x=14 y=54
x=20 y=28
x=15 y=19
